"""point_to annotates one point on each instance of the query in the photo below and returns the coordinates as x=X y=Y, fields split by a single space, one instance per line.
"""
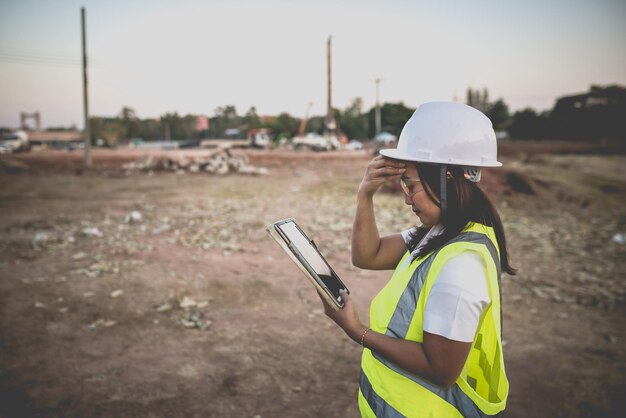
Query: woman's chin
x=423 y=221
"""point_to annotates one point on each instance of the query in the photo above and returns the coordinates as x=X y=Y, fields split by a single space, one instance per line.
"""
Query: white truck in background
x=13 y=141
x=316 y=142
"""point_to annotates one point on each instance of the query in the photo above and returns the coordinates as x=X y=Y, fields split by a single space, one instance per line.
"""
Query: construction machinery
x=329 y=140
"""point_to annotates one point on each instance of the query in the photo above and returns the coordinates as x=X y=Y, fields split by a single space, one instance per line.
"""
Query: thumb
x=344 y=295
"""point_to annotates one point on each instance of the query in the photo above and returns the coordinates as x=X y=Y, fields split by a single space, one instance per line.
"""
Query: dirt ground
x=192 y=311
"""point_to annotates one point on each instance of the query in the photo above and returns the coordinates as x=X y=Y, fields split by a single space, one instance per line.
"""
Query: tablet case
x=301 y=263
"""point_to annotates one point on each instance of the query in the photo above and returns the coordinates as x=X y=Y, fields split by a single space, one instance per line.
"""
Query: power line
x=40 y=59
x=35 y=54
x=38 y=63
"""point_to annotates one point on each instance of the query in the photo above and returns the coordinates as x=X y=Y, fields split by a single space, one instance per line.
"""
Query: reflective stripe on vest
x=481 y=390
x=401 y=318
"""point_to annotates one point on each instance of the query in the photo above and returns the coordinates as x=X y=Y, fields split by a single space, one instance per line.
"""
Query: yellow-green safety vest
x=386 y=390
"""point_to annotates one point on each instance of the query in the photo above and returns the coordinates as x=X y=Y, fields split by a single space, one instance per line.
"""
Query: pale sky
x=193 y=56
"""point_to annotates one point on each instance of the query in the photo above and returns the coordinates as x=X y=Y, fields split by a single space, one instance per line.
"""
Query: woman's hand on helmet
x=379 y=171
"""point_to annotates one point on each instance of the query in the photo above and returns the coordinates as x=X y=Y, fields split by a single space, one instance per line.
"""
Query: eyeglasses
x=407 y=185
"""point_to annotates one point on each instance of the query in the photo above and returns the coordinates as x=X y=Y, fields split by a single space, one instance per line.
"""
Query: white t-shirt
x=458 y=296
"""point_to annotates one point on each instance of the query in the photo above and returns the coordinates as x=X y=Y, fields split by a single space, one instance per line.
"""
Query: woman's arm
x=369 y=251
x=438 y=359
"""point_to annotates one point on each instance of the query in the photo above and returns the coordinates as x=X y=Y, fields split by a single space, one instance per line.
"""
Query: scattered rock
x=92 y=231
x=195 y=319
x=186 y=302
x=117 y=293
x=40 y=305
x=133 y=217
x=40 y=240
x=619 y=238
x=102 y=323
x=161 y=229
x=164 y=307
x=97 y=269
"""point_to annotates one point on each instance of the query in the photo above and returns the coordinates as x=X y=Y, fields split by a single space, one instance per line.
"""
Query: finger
x=382 y=161
x=377 y=165
x=376 y=159
x=328 y=310
x=345 y=296
x=394 y=163
x=388 y=171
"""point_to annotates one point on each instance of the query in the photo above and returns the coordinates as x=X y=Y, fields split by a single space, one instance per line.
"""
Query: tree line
x=597 y=114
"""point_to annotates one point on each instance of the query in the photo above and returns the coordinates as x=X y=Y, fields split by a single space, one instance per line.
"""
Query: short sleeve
x=457 y=299
x=406 y=234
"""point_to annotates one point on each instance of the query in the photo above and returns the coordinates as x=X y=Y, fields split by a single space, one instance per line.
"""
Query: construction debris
x=187 y=302
x=220 y=162
x=102 y=323
x=48 y=241
x=195 y=319
x=164 y=307
x=92 y=231
x=133 y=217
x=191 y=318
x=40 y=240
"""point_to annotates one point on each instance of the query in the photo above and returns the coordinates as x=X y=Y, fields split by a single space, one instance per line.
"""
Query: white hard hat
x=447 y=133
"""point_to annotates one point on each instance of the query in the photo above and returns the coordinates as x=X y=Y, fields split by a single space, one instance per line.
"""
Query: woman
x=434 y=344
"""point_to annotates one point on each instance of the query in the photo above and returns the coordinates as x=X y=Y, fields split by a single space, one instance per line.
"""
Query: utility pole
x=331 y=125
x=377 y=81
x=87 y=130
x=167 y=131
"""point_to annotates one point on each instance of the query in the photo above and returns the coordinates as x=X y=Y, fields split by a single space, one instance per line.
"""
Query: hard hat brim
x=399 y=155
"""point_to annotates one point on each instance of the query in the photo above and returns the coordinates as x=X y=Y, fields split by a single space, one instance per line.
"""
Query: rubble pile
x=220 y=162
x=191 y=317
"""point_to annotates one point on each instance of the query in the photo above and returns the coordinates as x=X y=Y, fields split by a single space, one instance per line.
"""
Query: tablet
x=307 y=257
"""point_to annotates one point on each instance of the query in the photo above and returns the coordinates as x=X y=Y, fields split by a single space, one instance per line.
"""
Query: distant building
x=611 y=96
x=598 y=114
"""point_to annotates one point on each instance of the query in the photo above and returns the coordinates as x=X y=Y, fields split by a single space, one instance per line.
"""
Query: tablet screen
x=313 y=257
